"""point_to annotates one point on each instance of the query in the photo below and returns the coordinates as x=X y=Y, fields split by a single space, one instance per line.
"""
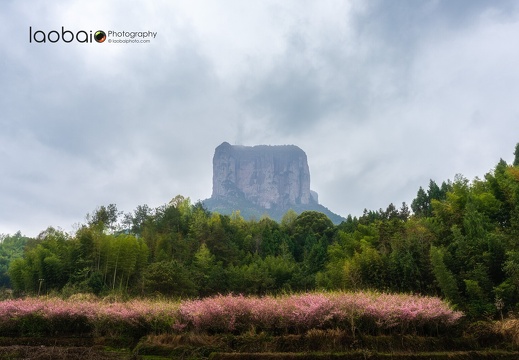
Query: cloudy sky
x=381 y=95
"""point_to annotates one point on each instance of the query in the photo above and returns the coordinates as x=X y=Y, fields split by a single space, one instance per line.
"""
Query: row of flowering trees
x=367 y=312
x=363 y=312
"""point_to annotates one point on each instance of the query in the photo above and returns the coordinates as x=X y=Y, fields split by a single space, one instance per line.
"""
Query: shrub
x=363 y=312
x=368 y=312
x=509 y=329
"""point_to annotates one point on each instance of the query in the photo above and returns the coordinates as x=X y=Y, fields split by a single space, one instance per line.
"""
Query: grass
x=316 y=344
x=322 y=341
x=508 y=329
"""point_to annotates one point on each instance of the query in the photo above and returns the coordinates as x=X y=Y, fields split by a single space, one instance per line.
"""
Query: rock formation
x=267 y=176
x=259 y=180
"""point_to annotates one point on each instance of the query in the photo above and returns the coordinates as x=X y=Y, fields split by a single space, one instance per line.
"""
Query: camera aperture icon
x=100 y=36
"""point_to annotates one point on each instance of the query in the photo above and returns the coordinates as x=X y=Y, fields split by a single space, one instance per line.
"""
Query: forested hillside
x=458 y=239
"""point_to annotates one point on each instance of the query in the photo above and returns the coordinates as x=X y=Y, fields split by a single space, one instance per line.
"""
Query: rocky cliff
x=259 y=180
x=267 y=176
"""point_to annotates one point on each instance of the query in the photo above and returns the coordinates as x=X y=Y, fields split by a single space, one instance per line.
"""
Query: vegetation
x=360 y=313
x=457 y=240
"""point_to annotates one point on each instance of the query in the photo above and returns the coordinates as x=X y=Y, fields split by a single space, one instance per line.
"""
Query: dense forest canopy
x=458 y=240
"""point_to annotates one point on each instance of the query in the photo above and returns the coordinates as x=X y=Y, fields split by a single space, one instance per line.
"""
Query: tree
x=122 y=259
x=434 y=191
x=421 y=204
x=477 y=300
x=39 y=266
x=391 y=212
x=333 y=275
x=444 y=277
x=207 y=273
x=450 y=211
x=11 y=248
x=404 y=213
x=409 y=264
x=253 y=278
x=168 y=278
x=17 y=274
x=106 y=217
x=136 y=222
x=288 y=219
x=220 y=239
x=282 y=270
x=349 y=225
x=314 y=261
x=367 y=269
x=271 y=237
x=307 y=229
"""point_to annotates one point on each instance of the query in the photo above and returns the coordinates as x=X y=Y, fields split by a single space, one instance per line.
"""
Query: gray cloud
x=381 y=95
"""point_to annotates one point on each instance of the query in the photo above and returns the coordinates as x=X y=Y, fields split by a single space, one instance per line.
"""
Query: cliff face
x=262 y=180
x=266 y=176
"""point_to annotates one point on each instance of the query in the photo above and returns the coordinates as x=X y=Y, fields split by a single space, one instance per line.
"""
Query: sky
x=381 y=95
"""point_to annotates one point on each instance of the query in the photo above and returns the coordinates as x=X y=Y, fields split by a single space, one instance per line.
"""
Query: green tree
x=208 y=274
x=444 y=277
x=123 y=258
x=11 y=248
x=168 y=278
x=45 y=265
x=477 y=303
x=421 y=204
x=307 y=229
x=253 y=278
x=282 y=269
x=333 y=275
x=288 y=219
x=17 y=274
x=136 y=222
x=105 y=216
x=271 y=237
x=367 y=269
x=409 y=263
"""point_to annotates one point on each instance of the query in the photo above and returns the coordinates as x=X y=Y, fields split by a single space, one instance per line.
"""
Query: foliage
x=365 y=312
x=53 y=316
x=11 y=248
x=168 y=278
x=509 y=329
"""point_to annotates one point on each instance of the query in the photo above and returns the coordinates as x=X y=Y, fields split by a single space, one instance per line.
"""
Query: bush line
x=359 y=313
